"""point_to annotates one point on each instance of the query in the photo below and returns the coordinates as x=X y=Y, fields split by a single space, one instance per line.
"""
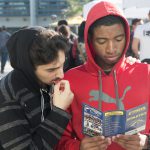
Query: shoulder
x=75 y=72
x=140 y=68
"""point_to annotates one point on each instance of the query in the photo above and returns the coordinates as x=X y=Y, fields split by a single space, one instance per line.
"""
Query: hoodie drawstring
x=100 y=91
x=101 y=94
x=42 y=106
x=116 y=90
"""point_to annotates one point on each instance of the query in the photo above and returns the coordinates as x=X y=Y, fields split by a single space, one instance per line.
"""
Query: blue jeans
x=4 y=57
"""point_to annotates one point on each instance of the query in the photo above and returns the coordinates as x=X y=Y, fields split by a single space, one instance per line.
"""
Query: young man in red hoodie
x=107 y=82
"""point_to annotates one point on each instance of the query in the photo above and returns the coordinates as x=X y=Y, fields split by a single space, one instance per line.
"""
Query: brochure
x=95 y=122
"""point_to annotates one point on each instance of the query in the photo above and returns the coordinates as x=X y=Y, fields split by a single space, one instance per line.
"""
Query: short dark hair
x=45 y=47
x=106 y=21
x=81 y=31
x=64 y=30
x=62 y=22
x=134 y=21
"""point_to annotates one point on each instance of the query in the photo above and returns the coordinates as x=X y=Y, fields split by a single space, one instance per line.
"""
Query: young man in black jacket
x=33 y=98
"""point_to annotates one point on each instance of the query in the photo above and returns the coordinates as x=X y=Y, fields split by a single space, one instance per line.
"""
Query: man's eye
x=51 y=70
x=119 y=39
x=101 y=41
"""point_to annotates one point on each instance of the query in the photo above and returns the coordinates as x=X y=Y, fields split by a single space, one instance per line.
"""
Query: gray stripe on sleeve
x=27 y=97
x=51 y=131
x=52 y=124
x=22 y=91
x=14 y=141
x=61 y=112
x=22 y=145
x=6 y=108
x=12 y=124
x=4 y=91
x=36 y=111
x=46 y=145
x=10 y=86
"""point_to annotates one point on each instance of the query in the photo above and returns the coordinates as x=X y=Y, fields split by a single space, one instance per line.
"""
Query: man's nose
x=60 y=73
x=110 y=47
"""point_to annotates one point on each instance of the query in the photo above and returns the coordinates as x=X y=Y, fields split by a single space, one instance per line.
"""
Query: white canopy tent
x=134 y=12
x=136 y=3
x=136 y=8
x=130 y=8
x=88 y=6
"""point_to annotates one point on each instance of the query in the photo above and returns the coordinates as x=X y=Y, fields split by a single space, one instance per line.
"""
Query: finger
x=94 y=145
x=129 y=144
x=132 y=147
x=56 y=87
x=108 y=140
x=134 y=137
x=94 y=139
x=64 y=85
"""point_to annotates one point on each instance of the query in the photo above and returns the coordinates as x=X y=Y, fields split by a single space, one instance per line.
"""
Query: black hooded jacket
x=23 y=103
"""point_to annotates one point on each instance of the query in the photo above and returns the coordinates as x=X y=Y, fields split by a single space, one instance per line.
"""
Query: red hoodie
x=126 y=86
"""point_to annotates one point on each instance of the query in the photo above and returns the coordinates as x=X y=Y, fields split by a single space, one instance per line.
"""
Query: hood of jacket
x=98 y=11
x=18 y=47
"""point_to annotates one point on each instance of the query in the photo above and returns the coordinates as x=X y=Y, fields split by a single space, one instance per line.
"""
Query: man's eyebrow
x=51 y=69
x=97 y=38
x=123 y=34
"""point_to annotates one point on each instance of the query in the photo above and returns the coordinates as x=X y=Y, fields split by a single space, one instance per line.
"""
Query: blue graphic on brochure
x=110 y=123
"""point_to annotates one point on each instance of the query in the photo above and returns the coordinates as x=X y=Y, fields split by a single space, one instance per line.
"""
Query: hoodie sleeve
x=19 y=130
x=68 y=141
x=16 y=133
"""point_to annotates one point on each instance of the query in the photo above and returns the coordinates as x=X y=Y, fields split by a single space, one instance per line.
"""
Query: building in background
x=16 y=14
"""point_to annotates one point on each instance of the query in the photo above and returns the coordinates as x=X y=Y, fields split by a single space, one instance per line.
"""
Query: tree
x=75 y=7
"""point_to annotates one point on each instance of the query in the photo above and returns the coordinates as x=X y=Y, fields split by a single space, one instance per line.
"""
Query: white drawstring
x=42 y=106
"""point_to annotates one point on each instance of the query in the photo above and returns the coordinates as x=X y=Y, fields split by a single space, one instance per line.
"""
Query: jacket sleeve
x=68 y=141
x=16 y=133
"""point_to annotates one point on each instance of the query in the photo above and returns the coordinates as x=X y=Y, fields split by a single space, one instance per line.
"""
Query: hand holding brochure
x=114 y=122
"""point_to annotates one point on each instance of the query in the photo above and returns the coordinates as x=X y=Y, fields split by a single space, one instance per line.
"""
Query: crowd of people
x=139 y=40
x=55 y=73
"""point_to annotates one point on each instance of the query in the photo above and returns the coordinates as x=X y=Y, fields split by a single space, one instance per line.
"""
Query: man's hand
x=63 y=96
x=131 y=60
x=131 y=142
x=95 y=143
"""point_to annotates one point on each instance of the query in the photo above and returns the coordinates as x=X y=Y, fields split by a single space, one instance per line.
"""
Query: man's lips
x=56 y=81
x=112 y=58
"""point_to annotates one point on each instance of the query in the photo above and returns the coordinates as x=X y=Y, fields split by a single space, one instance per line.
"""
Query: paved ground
x=8 y=68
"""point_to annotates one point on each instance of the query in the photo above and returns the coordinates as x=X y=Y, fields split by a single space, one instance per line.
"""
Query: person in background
x=135 y=23
x=73 y=36
x=78 y=49
x=64 y=30
x=4 y=36
x=107 y=82
x=141 y=40
x=33 y=97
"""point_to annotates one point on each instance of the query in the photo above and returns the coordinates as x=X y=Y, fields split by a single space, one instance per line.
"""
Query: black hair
x=134 y=21
x=64 y=30
x=81 y=32
x=106 y=21
x=62 y=22
x=45 y=48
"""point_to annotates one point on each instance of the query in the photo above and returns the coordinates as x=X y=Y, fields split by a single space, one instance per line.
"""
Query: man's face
x=52 y=72
x=108 y=43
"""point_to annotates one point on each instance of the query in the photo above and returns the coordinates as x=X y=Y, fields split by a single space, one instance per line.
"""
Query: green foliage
x=75 y=7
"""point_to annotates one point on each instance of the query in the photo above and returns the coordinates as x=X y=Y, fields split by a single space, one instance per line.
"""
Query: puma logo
x=96 y=95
